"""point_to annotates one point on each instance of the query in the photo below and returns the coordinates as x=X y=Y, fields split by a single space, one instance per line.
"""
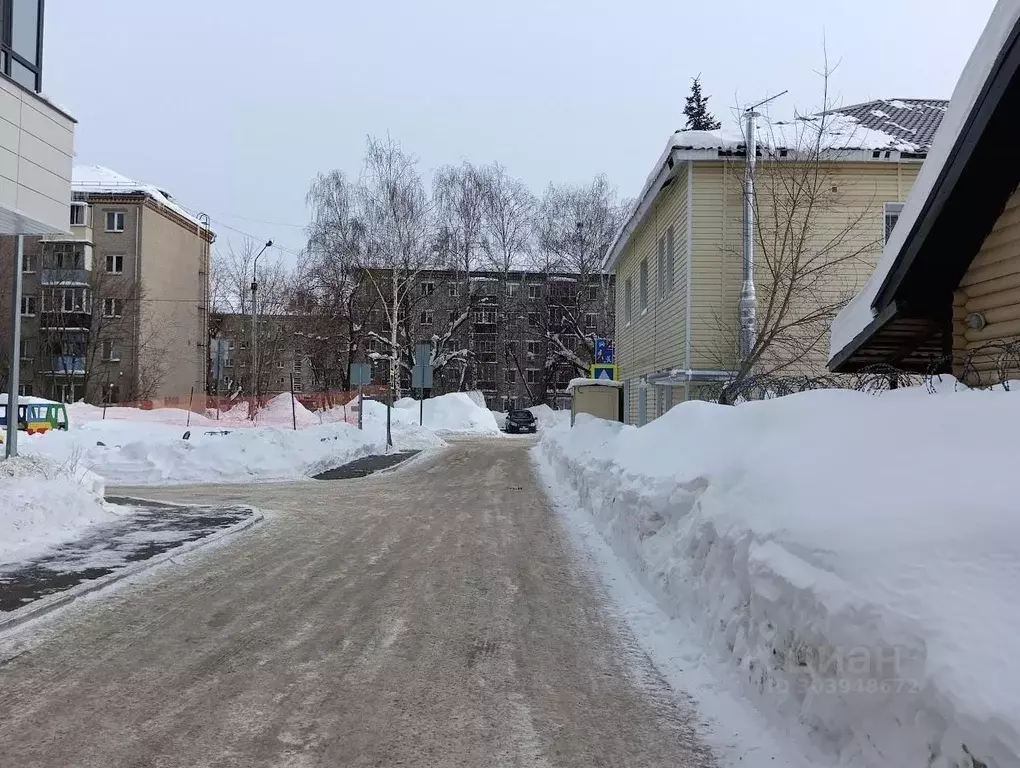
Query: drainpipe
x=14 y=370
x=748 y=301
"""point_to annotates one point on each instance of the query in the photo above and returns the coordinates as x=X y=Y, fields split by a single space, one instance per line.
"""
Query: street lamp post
x=254 y=322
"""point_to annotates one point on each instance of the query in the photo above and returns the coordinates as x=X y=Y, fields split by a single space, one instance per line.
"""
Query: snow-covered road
x=436 y=616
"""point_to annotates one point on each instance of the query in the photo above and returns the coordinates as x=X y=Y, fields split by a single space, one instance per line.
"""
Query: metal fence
x=987 y=366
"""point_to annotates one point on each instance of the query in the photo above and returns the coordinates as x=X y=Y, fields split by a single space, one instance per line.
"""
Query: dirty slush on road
x=433 y=616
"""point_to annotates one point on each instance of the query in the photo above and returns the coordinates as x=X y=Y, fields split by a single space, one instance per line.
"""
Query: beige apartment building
x=118 y=309
x=679 y=259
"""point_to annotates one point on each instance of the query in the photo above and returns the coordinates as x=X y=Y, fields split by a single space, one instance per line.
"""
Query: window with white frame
x=628 y=299
x=533 y=291
x=297 y=366
x=593 y=292
x=115 y=221
x=533 y=319
x=297 y=383
x=454 y=290
x=25 y=349
x=511 y=376
x=892 y=213
x=643 y=284
x=670 y=259
x=532 y=348
x=110 y=351
x=428 y=288
x=114 y=263
x=425 y=318
x=79 y=214
x=113 y=307
x=590 y=320
x=531 y=375
x=28 y=263
x=452 y=317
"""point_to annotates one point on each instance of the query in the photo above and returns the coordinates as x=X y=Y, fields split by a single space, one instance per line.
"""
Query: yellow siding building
x=678 y=259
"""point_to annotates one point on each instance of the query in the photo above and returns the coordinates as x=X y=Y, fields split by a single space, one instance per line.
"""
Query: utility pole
x=254 y=323
x=14 y=369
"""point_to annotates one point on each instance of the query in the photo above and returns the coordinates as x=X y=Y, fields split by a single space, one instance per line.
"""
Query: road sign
x=361 y=374
x=605 y=371
x=421 y=373
x=605 y=351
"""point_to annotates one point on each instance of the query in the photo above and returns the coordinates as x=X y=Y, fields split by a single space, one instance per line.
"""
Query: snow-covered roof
x=908 y=125
x=101 y=180
x=581 y=382
x=858 y=314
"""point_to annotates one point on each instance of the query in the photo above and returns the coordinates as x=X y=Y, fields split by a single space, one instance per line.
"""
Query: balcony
x=65 y=365
x=64 y=277
x=66 y=320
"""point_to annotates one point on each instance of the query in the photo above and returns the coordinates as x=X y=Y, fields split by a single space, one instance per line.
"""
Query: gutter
x=648 y=195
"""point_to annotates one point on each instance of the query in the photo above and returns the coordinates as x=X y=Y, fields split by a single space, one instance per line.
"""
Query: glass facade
x=21 y=34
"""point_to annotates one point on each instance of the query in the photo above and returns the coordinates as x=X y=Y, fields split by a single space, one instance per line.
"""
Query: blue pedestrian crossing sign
x=605 y=372
x=605 y=351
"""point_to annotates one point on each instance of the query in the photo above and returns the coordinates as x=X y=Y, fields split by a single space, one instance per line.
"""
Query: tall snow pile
x=547 y=417
x=404 y=428
x=856 y=558
x=44 y=503
x=456 y=412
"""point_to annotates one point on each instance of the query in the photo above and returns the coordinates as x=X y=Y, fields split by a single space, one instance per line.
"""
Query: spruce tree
x=696 y=109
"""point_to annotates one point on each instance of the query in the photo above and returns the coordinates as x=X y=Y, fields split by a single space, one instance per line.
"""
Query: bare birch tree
x=813 y=243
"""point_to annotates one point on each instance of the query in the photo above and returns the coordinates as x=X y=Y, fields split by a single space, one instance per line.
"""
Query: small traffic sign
x=604 y=372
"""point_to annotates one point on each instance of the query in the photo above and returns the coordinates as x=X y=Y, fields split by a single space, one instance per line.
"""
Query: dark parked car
x=521 y=421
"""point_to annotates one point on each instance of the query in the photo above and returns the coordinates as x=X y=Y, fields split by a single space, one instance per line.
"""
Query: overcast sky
x=234 y=105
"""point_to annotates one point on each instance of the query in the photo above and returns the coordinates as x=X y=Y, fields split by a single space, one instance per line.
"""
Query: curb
x=53 y=602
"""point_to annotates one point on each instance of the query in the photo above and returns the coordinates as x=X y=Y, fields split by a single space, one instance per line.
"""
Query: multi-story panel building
x=518 y=337
x=118 y=309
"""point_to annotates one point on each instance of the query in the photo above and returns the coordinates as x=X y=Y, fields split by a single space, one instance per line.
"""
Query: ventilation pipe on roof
x=748 y=300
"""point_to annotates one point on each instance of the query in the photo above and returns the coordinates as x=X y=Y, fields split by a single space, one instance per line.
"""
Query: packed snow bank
x=455 y=413
x=547 y=417
x=150 y=453
x=404 y=428
x=45 y=503
x=854 y=557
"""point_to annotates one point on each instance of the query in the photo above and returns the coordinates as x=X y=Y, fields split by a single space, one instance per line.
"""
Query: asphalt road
x=435 y=616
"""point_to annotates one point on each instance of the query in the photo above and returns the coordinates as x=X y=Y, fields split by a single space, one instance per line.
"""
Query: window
x=297 y=384
x=643 y=284
x=670 y=259
x=114 y=221
x=297 y=366
x=25 y=390
x=114 y=264
x=113 y=307
x=428 y=288
x=26 y=349
x=593 y=292
x=426 y=317
x=533 y=319
x=532 y=348
x=281 y=365
x=28 y=306
x=589 y=319
x=28 y=263
x=511 y=289
x=662 y=266
x=228 y=362
x=485 y=316
x=454 y=290
x=533 y=291
x=531 y=375
x=511 y=376
x=628 y=300
x=21 y=44
x=892 y=215
x=79 y=214
x=110 y=352
x=65 y=256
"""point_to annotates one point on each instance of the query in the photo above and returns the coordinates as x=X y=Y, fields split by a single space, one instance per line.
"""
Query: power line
x=220 y=222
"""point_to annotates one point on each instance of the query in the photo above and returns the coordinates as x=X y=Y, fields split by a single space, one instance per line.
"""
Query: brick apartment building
x=116 y=310
x=518 y=337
